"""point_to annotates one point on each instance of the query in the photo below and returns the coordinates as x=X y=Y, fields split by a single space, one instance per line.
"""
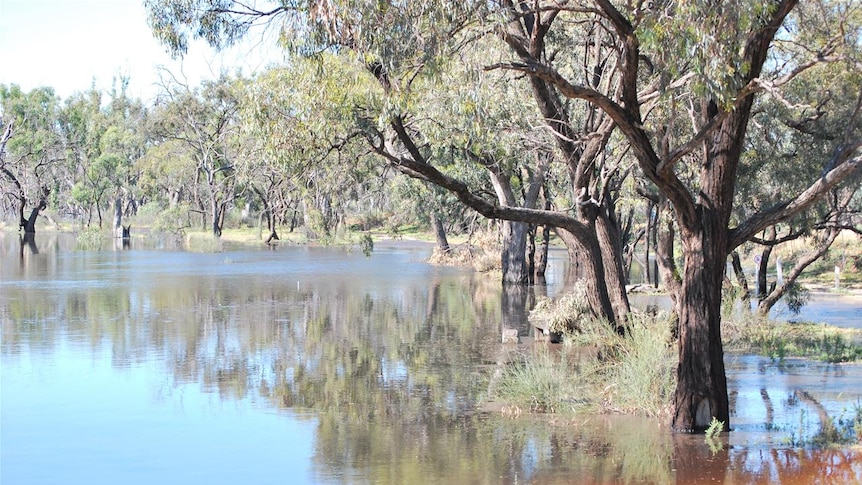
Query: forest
x=687 y=133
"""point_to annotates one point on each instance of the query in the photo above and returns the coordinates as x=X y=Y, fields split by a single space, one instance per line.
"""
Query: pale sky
x=67 y=44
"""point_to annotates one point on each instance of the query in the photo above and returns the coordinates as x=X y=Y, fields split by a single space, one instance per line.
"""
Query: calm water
x=319 y=365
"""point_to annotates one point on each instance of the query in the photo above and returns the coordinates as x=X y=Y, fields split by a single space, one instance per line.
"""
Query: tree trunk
x=29 y=224
x=763 y=264
x=542 y=260
x=440 y=233
x=118 y=216
x=607 y=232
x=513 y=253
x=514 y=235
x=701 y=391
x=531 y=253
x=740 y=277
x=542 y=252
x=665 y=238
x=593 y=275
x=650 y=228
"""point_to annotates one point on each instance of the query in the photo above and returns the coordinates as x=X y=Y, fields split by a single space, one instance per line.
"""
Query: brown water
x=319 y=365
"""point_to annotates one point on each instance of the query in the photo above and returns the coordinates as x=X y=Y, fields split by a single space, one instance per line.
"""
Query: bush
x=565 y=314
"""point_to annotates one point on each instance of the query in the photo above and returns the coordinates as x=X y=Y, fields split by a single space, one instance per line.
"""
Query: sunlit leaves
x=703 y=37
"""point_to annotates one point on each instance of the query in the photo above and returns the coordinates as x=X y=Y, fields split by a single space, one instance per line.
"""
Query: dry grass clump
x=481 y=252
x=564 y=314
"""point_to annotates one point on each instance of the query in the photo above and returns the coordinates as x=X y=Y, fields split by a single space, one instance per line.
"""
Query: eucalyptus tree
x=203 y=124
x=32 y=151
x=715 y=62
x=102 y=137
x=793 y=136
x=306 y=151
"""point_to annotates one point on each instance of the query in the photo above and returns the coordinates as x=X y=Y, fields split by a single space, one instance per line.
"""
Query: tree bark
x=513 y=257
x=607 y=233
x=763 y=265
x=701 y=391
x=29 y=224
x=740 y=276
x=440 y=233
x=593 y=275
x=542 y=256
x=514 y=253
x=650 y=229
x=665 y=239
x=118 y=216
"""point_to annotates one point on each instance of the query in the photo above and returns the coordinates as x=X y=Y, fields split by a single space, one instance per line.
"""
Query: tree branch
x=845 y=164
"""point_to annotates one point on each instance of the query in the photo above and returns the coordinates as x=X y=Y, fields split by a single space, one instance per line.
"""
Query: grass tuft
x=596 y=369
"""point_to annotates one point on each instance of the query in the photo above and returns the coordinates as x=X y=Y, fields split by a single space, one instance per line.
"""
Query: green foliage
x=711 y=436
x=542 y=382
x=797 y=296
x=715 y=428
x=89 y=238
x=171 y=220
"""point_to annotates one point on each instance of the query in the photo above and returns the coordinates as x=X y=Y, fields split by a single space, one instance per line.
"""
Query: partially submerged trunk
x=763 y=263
x=514 y=253
x=440 y=233
x=542 y=251
x=593 y=275
x=118 y=217
x=607 y=231
x=741 y=280
x=701 y=392
x=29 y=224
x=668 y=272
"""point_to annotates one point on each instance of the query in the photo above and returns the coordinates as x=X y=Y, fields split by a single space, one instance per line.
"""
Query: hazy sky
x=67 y=44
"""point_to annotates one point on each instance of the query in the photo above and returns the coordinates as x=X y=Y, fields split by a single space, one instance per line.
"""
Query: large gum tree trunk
x=440 y=233
x=701 y=391
x=607 y=232
x=593 y=275
x=514 y=253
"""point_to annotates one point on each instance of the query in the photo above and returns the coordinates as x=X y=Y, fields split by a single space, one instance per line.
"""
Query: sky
x=71 y=45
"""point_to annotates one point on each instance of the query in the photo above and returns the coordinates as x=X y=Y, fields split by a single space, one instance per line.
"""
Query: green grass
x=783 y=339
x=542 y=381
x=596 y=370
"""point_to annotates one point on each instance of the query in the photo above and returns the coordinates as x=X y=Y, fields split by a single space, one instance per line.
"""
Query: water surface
x=319 y=365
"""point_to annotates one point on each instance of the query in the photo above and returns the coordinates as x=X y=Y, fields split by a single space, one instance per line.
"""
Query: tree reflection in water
x=389 y=355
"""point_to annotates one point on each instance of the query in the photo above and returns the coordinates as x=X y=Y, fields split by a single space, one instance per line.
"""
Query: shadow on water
x=371 y=369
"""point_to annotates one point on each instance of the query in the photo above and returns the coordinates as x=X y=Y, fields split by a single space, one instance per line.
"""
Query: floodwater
x=319 y=365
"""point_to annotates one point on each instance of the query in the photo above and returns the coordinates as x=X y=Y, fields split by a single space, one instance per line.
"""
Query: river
x=321 y=365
